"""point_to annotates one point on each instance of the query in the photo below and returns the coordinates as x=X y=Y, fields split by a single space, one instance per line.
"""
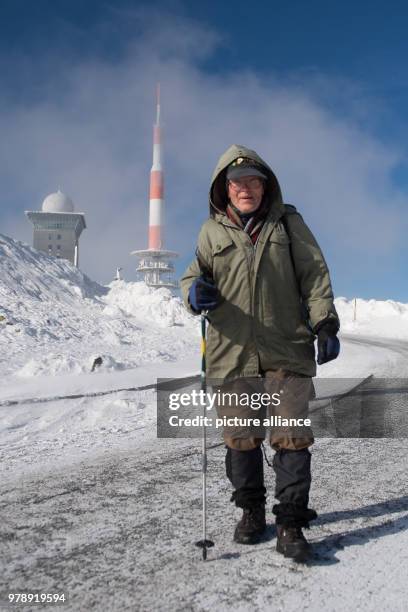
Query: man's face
x=246 y=193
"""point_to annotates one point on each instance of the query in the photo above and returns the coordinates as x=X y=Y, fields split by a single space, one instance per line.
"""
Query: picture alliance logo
x=205 y=421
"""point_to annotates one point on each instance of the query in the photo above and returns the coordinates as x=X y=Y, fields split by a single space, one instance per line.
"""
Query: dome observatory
x=58 y=202
x=57 y=227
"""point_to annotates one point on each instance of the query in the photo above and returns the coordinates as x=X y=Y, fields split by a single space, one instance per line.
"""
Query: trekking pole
x=204 y=543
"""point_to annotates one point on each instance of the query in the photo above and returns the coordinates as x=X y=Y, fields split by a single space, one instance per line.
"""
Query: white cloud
x=89 y=133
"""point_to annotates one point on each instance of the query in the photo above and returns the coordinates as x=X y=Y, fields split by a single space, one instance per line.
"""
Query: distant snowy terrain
x=383 y=319
x=55 y=320
x=95 y=505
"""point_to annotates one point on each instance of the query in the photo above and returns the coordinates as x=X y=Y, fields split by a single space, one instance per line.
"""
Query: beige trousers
x=291 y=390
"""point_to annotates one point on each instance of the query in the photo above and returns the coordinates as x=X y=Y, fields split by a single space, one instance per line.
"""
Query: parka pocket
x=280 y=239
x=281 y=257
x=222 y=254
x=221 y=245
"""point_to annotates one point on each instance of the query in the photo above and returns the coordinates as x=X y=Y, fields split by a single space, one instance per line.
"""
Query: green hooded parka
x=273 y=292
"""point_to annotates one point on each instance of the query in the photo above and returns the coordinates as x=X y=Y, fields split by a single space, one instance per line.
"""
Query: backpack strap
x=290 y=210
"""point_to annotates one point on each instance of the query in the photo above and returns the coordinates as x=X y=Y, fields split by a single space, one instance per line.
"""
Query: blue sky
x=318 y=88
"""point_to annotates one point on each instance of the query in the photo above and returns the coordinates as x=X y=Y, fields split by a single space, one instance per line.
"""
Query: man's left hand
x=328 y=345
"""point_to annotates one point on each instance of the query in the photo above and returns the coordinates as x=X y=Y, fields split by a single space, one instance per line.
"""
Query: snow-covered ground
x=95 y=505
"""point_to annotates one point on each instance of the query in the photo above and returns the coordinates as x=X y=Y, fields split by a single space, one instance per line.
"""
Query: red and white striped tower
x=156 y=216
x=155 y=265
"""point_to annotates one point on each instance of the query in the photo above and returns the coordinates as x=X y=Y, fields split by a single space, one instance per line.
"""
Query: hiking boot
x=292 y=543
x=251 y=526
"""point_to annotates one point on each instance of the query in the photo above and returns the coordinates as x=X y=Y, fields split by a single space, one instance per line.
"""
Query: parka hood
x=218 y=192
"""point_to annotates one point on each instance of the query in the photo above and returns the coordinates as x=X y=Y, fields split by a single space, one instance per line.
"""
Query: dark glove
x=203 y=295
x=328 y=345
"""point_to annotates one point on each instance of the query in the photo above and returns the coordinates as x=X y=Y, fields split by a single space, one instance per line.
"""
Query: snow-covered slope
x=55 y=320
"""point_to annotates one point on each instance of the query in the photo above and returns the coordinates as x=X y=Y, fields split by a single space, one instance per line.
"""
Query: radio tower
x=155 y=264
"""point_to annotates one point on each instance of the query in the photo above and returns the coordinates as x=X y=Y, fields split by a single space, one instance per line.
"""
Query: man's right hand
x=203 y=295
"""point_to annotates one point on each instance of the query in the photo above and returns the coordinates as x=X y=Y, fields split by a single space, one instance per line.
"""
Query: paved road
x=117 y=533
x=115 y=530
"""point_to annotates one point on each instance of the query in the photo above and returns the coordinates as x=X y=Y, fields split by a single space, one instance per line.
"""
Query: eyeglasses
x=250 y=183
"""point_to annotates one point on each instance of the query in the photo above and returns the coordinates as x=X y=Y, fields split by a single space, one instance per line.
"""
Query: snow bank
x=55 y=320
x=28 y=274
x=157 y=306
x=387 y=319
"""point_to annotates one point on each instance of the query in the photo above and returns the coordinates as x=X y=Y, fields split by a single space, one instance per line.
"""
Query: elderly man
x=264 y=283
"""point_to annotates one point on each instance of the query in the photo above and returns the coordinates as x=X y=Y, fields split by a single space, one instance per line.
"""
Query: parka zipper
x=251 y=269
x=252 y=280
x=251 y=283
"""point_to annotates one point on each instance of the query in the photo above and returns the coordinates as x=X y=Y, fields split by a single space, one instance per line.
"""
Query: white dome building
x=57 y=227
x=58 y=202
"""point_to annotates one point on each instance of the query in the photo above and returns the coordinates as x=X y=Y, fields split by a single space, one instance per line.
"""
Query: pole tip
x=204 y=544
